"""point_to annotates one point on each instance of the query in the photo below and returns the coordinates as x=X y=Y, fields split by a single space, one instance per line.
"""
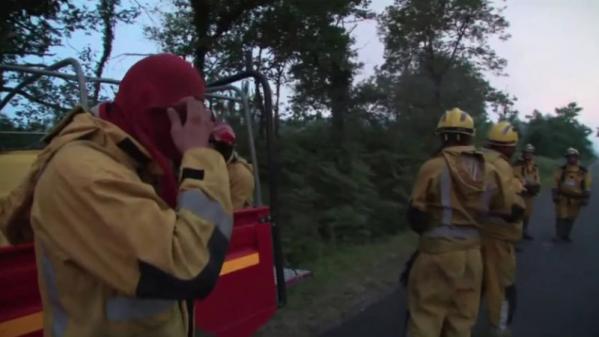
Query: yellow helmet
x=456 y=121
x=503 y=133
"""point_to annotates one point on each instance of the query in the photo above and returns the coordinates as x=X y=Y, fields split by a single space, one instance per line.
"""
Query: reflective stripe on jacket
x=454 y=189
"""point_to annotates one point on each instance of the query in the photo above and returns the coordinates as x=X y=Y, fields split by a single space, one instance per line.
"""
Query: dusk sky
x=552 y=55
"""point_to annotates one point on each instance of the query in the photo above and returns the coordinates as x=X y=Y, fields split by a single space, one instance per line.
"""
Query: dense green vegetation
x=348 y=150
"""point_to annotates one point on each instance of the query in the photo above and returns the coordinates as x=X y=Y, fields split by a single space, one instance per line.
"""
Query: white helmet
x=572 y=152
x=529 y=148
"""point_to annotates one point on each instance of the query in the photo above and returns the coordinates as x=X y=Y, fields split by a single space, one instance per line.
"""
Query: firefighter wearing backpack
x=500 y=233
x=444 y=283
x=572 y=191
x=527 y=171
x=241 y=175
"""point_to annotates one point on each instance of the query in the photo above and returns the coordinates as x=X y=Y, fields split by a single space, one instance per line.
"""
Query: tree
x=553 y=134
x=305 y=42
x=432 y=35
x=31 y=28
x=31 y=32
x=408 y=100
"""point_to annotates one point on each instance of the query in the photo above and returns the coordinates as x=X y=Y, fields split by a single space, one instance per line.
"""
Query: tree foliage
x=553 y=134
x=349 y=151
x=305 y=42
x=432 y=36
x=31 y=32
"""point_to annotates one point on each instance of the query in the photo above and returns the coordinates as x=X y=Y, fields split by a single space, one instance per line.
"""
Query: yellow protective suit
x=14 y=166
x=445 y=281
x=113 y=258
x=242 y=181
x=572 y=190
x=528 y=173
x=498 y=250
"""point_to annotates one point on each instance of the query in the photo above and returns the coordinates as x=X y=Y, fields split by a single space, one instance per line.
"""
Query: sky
x=552 y=56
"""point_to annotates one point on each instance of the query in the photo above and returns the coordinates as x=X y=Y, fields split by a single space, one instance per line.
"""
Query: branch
x=461 y=33
x=27 y=52
x=226 y=21
x=143 y=8
x=107 y=8
x=34 y=99
x=130 y=54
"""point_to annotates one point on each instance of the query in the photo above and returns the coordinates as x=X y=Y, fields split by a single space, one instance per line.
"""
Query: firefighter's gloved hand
x=532 y=189
x=418 y=220
x=555 y=195
x=405 y=273
x=517 y=213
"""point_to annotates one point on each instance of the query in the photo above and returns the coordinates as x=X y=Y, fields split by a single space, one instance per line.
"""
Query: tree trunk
x=258 y=96
x=201 y=20
x=339 y=96
x=107 y=10
x=437 y=82
x=278 y=97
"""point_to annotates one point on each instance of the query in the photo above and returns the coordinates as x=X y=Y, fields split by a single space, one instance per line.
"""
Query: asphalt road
x=558 y=284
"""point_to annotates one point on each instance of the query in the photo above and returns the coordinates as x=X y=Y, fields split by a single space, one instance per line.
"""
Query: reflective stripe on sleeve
x=198 y=203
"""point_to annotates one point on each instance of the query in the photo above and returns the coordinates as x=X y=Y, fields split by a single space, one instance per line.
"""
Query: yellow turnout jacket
x=113 y=258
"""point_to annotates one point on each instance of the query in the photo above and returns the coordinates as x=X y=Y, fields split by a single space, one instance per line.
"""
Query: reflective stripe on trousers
x=122 y=308
x=59 y=315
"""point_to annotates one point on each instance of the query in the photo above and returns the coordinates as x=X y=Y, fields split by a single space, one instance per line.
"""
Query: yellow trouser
x=528 y=200
x=499 y=260
x=444 y=293
x=567 y=208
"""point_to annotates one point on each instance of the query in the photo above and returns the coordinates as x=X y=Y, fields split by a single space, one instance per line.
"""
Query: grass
x=349 y=279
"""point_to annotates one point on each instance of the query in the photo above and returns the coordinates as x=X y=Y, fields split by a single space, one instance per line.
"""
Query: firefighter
x=500 y=234
x=241 y=174
x=121 y=239
x=572 y=191
x=527 y=171
x=444 y=283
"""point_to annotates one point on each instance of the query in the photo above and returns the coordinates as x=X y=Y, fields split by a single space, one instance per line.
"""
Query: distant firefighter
x=527 y=171
x=571 y=193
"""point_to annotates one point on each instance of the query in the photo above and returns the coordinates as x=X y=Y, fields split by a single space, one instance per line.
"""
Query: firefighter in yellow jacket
x=500 y=234
x=449 y=195
x=241 y=174
x=121 y=239
x=527 y=171
x=572 y=191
